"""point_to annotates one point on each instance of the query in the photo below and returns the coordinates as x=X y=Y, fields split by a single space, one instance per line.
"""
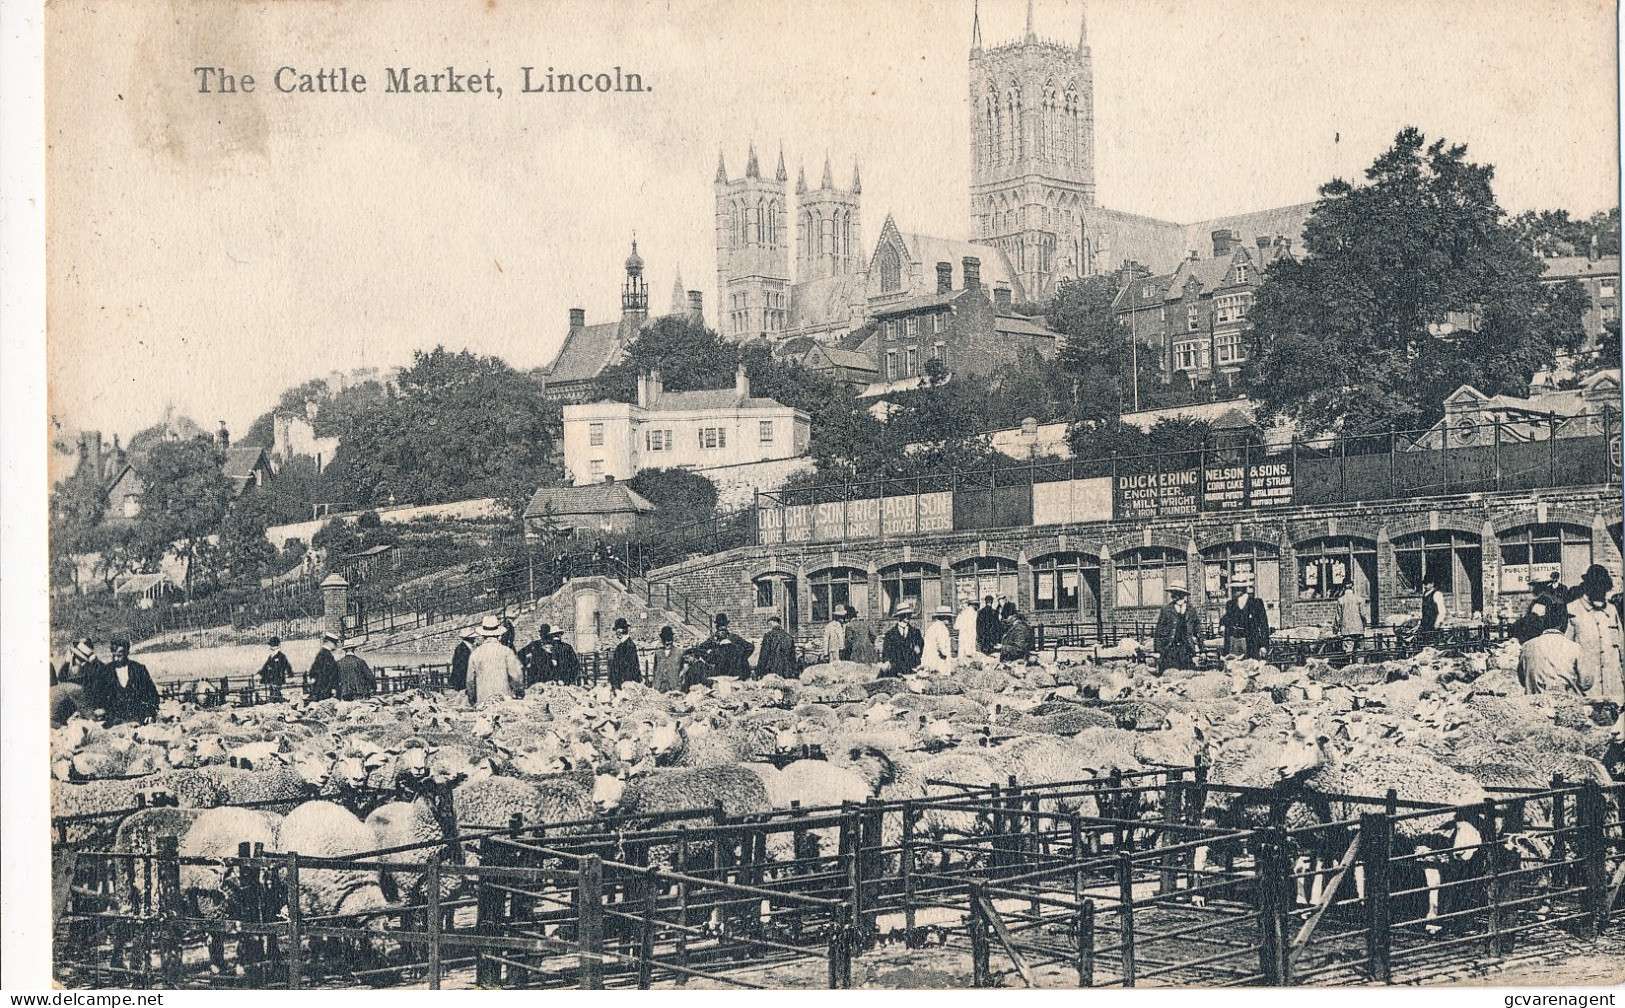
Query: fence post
x=431 y=922
x=1084 y=939
x=169 y=909
x=1376 y=845
x=1592 y=850
x=981 y=970
x=1494 y=869
x=295 y=939
x=1268 y=870
x=646 y=944
x=1125 y=912
x=905 y=863
x=1560 y=844
x=1551 y=451
x=590 y=923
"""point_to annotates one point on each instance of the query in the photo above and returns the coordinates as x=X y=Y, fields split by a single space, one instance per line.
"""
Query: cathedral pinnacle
x=857 y=184
x=1031 y=36
x=976 y=27
x=722 y=169
x=801 y=179
x=752 y=169
x=828 y=181
x=1083 y=32
x=780 y=175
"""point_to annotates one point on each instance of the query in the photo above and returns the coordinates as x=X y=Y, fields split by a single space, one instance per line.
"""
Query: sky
x=207 y=251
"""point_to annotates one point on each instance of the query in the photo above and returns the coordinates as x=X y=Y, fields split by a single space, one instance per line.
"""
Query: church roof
x=824 y=301
x=1285 y=222
x=588 y=351
x=927 y=251
x=592 y=499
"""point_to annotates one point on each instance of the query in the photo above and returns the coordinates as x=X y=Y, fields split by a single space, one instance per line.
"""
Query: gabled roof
x=589 y=350
x=919 y=303
x=1208 y=274
x=1022 y=326
x=242 y=461
x=835 y=356
x=928 y=250
x=825 y=301
x=1131 y=296
x=592 y=499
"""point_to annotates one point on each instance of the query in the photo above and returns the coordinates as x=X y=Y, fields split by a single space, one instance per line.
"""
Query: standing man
x=1350 y=616
x=494 y=674
x=623 y=664
x=1594 y=625
x=1551 y=663
x=988 y=627
x=566 y=666
x=860 y=639
x=355 y=679
x=122 y=689
x=275 y=671
x=726 y=652
x=965 y=630
x=903 y=646
x=1432 y=606
x=938 y=656
x=1245 y=623
x=458 y=679
x=322 y=681
x=1007 y=608
x=1179 y=631
x=835 y=634
x=536 y=658
x=777 y=655
x=667 y=674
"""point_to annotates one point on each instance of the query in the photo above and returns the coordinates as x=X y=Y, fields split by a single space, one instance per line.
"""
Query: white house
x=705 y=429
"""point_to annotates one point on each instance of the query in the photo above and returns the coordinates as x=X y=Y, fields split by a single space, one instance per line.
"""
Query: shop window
x=764 y=593
x=835 y=586
x=1221 y=564
x=1142 y=576
x=918 y=583
x=984 y=576
x=1067 y=584
x=1325 y=565
x=1532 y=553
x=1447 y=559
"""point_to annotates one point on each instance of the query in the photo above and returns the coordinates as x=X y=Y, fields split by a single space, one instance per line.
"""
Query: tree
x=244 y=553
x=680 y=497
x=463 y=426
x=1554 y=233
x=184 y=499
x=1412 y=285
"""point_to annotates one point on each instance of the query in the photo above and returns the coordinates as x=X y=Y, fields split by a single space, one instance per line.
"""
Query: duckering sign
x=1155 y=495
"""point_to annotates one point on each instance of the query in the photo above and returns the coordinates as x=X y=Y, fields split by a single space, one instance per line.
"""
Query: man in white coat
x=494 y=672
x=965 y=629
x=1594 y=625
x=938 y=657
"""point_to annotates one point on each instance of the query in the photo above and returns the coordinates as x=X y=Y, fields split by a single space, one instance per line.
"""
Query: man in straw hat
x=1179 y=631
x=322 y=681
x=938 y=656
x=835 y=633
x=494 y=673
x=458 y=679
x=903 y=646
x=1245 y=623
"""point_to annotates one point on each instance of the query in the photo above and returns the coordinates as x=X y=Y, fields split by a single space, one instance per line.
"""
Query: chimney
x=223 y=435
x=643 y=388
x=1195 y=256
x=945 y=277
x=609 y=477
x=1223 y=242
x=973 y=272
x=578 y=319
x=1001 y=297
x=98 y=464
x=1263 y=244
x=741 y=382
x=1594 y=253
x=118 y=457
x=696 y=306
x=657 y=385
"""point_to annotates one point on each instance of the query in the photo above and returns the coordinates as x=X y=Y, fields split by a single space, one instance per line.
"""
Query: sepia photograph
x=683 y=495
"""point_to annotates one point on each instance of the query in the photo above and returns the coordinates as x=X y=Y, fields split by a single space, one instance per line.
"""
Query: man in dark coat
x=537 y=658
x=778 y=652
x=322 y=681
x=275 y=670
x=726 y=652
x=1432 y=607
x=1017 y=643
x=623 y=664
x=989 y=628
x=1535 y=619
x=82 y=663
x=566 y=665
x=1179 y=631
x=354 y=677
x=1245 y=622
x=458 y=679
x=122 y=689
x=902 y=646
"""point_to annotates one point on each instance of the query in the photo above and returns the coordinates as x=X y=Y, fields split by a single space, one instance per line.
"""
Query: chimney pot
x=1263 y=241
x=945 y=277
x=1223 y=241
x=972 y=267
x=578 y=318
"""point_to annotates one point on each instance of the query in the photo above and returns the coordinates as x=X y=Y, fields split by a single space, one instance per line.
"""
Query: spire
x=679 y=296
x=752 y=169
x=857 y=183
x=976 y=27
x=722 y=169
x=1031 y=37
x=828 y=181
x=780 y=175
x=1083 y=32
x=801 y=179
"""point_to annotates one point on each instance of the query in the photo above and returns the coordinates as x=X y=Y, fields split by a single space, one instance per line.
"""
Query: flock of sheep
x=1432 y=728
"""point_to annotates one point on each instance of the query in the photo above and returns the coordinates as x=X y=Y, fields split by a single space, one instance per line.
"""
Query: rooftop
x=592 y=499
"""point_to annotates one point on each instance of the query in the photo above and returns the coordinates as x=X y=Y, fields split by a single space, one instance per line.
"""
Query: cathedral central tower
x=1032 y=124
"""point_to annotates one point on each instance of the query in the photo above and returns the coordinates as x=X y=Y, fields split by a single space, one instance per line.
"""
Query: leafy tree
x=680 y=497
x=462 y=426
x=1347 y=338
x=1555 y=233
x=244 y=553
x=296 y=485
x=184 y=500
x=337 y=538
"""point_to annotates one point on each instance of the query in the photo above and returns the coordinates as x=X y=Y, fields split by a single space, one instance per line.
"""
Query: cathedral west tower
x=1032 y=152
x=753 y=251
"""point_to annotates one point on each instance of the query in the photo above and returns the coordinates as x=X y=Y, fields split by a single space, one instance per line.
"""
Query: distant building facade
x=294 y=436
x=688 y=430
x=964 y=330
x=1599 y=277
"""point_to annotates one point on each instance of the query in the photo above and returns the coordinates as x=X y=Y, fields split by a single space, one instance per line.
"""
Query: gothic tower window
x=1012 y=114
x=891 y=270
x=995 y=141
